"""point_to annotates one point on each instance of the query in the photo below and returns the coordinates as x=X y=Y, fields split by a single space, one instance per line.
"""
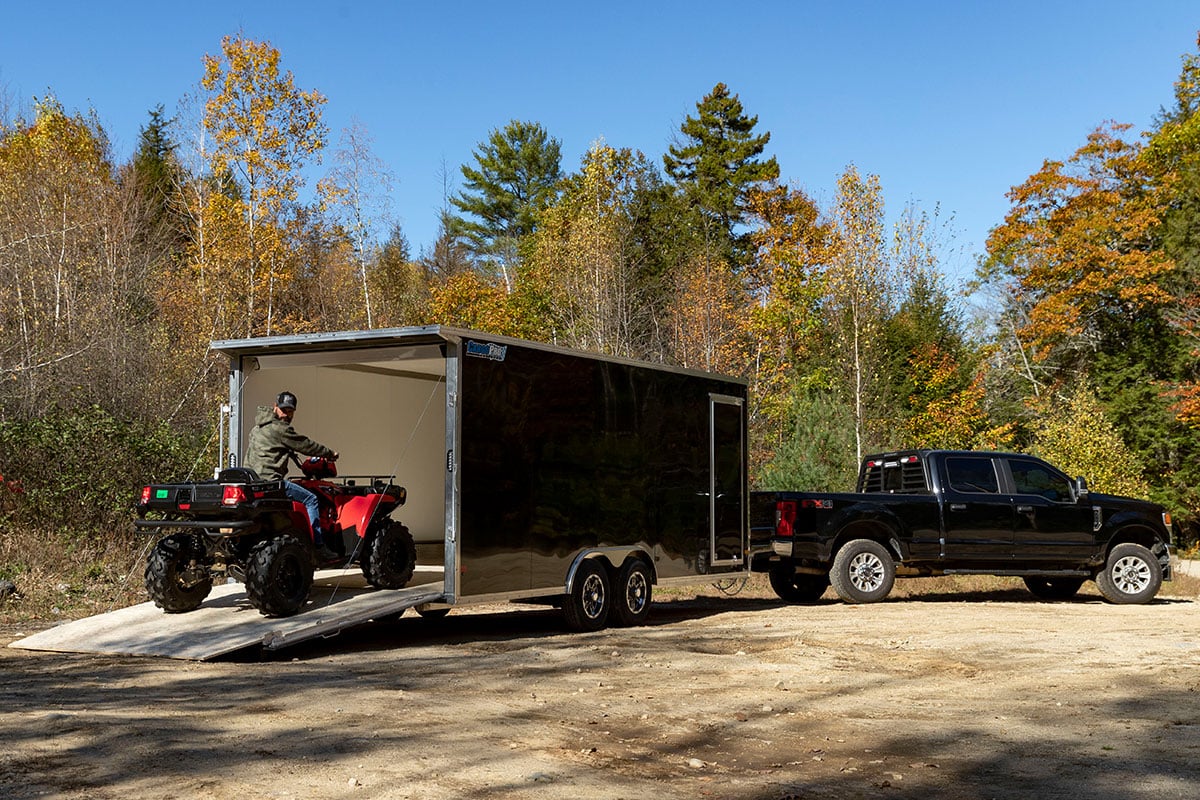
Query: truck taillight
x=785 y=518
x=145 y=495
x=233 y=495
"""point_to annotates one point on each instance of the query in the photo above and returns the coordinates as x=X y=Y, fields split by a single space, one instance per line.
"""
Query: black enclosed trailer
x=532 y=472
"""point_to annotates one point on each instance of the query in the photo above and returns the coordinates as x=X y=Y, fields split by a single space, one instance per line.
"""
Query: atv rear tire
x=177 y=579
x=279 y=576
x=390 y=557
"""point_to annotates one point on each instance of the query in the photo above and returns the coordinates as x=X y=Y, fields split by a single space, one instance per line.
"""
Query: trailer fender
x=614 y=558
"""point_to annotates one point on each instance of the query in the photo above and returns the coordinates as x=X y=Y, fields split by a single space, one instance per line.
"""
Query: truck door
x=727 y=481
x=977 y=517
x=1050 y=525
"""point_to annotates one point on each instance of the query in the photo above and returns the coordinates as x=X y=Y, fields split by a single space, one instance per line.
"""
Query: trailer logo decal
x=495 y=352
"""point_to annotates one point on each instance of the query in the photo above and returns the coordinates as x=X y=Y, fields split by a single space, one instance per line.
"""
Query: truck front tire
x=863 y=572
x=1131 y=575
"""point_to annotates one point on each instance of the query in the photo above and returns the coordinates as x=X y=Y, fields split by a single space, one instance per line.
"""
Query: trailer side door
x=727 y=480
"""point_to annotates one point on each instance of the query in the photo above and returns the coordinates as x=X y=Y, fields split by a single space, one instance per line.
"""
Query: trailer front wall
x=562 y=453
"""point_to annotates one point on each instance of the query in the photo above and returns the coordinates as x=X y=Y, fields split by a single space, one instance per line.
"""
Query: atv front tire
x=390 y=557
x=279 y=576
x=177 y=577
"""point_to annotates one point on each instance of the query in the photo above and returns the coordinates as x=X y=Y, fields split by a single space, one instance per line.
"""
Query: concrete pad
x=226 y=621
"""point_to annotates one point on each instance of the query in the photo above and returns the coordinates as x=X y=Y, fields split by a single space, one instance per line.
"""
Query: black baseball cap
x=286 y=400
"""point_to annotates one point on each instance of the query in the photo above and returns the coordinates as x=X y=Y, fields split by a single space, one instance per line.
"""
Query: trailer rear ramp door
x=226 y=622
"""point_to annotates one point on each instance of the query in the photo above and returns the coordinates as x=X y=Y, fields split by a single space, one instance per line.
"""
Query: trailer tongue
x=227 y=622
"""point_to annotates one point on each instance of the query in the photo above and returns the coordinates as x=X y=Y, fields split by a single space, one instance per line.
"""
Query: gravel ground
x=945 y=694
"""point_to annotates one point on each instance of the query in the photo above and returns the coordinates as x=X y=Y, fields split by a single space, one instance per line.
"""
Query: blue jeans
x=299 y=494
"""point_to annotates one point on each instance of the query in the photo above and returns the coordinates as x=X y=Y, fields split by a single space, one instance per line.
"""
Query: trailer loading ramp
x=226 y=621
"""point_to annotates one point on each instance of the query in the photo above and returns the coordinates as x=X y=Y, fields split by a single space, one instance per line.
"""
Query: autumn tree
x=264 y=129
x=515 y=176
x=717 y=163
x=356 y=189
x=588 y=264
x=784 y=280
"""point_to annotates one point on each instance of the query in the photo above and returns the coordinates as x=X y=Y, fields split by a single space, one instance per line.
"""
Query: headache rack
x=894 y=473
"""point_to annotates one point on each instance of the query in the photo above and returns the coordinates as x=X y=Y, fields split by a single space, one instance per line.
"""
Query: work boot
x=325 y=556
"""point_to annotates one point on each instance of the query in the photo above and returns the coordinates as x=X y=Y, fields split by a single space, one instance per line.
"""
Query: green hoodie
x=272 y=440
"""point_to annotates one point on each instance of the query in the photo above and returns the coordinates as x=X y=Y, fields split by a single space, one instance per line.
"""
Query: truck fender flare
x=867 y=521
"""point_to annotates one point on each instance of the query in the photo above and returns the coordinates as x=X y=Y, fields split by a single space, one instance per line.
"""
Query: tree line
x=114 y=278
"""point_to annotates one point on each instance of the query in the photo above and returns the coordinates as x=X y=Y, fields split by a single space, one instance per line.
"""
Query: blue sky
x=949 y=103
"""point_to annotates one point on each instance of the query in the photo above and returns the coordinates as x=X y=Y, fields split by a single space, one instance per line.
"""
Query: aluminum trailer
x=526 y=465
x=534 y=473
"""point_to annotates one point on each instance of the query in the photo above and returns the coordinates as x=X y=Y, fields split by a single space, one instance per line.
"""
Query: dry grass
x=58 y=579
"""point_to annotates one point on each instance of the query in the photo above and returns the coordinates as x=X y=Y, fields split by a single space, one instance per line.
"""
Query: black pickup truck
x=940 y=512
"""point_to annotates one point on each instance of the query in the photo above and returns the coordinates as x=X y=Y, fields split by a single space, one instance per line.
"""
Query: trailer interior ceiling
x=383 y=409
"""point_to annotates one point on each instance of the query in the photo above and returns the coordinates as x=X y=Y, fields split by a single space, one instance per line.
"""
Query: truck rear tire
x=1053 y=588
x=177 y=579
x=390 y=558
x=1131 y=575
x=863 y=572
x=632 y=604
x=279 y=576
x=795 y=587
x=587 y=606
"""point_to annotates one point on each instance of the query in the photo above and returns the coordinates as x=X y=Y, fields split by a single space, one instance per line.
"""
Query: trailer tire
x=279 y=576
x=1131 y=575
x=795 y=587
x=176 y=580
x=390 y=558
x=863 y=571
x=633 y=589
x=1045 y=588
x=587 y=606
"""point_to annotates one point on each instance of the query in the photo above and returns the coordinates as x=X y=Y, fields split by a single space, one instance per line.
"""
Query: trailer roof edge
x=426 y=334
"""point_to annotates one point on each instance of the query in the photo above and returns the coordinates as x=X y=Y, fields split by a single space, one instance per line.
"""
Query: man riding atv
x=272 y=442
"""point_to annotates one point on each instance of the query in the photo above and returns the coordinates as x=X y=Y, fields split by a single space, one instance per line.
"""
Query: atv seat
x=237 y=475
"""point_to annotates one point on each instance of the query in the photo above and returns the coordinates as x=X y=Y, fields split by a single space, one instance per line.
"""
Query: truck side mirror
x=1081 y=488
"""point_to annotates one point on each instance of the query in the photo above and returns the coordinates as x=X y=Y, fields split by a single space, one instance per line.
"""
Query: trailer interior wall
x=382 y=409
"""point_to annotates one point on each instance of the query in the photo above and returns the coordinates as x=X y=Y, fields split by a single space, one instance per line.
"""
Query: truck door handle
x=958 y=506
x=1024 y=509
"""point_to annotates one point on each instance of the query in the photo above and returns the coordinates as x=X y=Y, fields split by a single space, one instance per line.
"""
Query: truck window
x=972 y=475
x=1030 y=477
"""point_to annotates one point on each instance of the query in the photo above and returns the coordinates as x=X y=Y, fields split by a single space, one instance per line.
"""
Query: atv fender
x=354 y=515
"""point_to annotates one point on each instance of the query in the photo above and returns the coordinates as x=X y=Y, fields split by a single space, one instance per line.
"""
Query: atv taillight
x=233 y=495
x=145 y=496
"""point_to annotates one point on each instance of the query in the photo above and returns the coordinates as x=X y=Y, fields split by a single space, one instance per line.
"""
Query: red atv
x=239 y=526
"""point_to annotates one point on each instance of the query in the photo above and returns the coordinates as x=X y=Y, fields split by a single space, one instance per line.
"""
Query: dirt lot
x=951 y=693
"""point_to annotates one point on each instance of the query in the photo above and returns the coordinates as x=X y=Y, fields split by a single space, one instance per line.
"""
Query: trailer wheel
x=1131 y=575
x=279 y=576
x=390 y=557
x=1053 y=588
x=795 y=587
x=863 y=572
x=633 y=589
x=587 y=606
x=177 y=579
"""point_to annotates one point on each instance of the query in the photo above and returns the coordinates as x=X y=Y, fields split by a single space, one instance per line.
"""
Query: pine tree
x=517 y=172
x=717 y=164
